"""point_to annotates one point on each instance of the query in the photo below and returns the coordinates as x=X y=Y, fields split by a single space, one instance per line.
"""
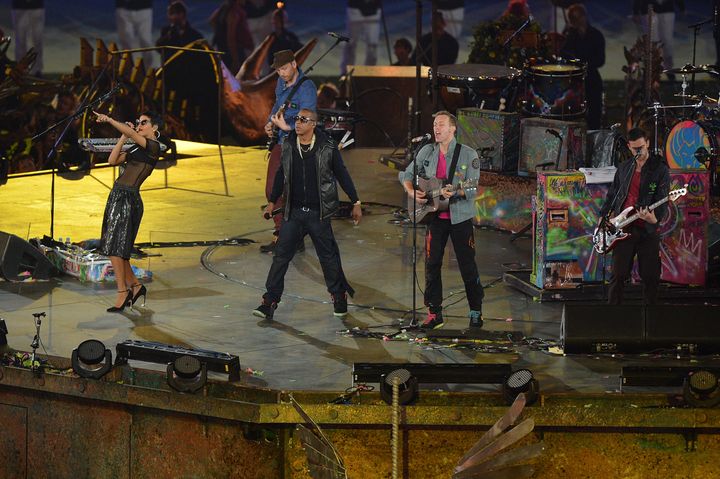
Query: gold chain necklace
x=305 y=150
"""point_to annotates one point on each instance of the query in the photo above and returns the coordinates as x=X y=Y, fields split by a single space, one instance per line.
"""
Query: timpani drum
x=555 y=90
x=476 y=85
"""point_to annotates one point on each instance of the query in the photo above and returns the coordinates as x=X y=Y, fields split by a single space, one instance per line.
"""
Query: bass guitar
x=611 y=231
x=436 y=202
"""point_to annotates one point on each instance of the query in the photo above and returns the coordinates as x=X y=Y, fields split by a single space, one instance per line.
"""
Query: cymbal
x=692 y=69
x=705 y=100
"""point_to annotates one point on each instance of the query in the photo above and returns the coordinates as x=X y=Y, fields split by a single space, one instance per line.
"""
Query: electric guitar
x=275 y=137
x=436 y=202
x=607 y=234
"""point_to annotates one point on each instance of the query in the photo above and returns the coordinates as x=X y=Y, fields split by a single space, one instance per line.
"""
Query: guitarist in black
x=638 y=183
x=455 y=163
x=294 y=91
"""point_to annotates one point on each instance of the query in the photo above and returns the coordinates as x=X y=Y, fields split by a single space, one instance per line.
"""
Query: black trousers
x=463 y=239
x=647 y=248
x=294 y=230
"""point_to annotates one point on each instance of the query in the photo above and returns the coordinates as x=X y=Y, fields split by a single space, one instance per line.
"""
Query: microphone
x=338 y=37
x=418 y=139
x=276 y=211
x=112 y=92
x=554 y=133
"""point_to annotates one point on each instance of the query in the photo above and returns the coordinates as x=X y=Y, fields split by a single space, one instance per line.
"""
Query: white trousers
x=135 y=31
x=29 y=26
x=454 y=21
x=663 y=31
x=361 y=28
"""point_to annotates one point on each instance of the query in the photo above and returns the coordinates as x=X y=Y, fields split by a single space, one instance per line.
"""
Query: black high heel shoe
x=141 y=292
x=126 y=303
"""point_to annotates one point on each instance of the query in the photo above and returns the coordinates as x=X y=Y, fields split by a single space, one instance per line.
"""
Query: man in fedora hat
x=294 y=92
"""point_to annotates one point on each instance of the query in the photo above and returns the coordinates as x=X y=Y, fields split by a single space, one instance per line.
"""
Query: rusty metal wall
x=131 y=425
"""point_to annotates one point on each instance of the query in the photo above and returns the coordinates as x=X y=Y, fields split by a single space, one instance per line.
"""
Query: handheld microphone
x=276 y=211
x=424 y=137
x=554 y=133
x=338 y=37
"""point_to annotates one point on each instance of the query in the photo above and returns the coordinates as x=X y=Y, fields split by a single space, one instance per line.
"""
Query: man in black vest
x=310 y=168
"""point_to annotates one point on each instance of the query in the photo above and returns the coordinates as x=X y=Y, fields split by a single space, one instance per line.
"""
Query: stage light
x=87 y=356
x=407 y=388
x=186 y=374
x=700 y=389
x=521 y=381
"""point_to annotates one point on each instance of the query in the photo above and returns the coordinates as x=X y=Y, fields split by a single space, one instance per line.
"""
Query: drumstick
x=344 y=142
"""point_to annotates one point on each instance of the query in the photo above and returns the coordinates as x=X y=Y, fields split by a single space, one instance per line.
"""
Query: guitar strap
x=453 y=165
x=294 y=89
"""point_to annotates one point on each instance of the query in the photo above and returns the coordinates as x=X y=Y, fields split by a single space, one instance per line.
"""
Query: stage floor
x=202 y=296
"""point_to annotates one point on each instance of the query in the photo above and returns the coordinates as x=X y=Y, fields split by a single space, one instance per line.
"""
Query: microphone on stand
x=418 y=139
x=338 y=37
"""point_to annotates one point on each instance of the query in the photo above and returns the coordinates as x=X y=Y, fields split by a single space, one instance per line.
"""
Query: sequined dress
x=124 y=207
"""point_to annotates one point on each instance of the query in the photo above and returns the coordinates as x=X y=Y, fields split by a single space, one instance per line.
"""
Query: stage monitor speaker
x=713 y=271
x=540 y=139
x=380 y=97
x=495 y=135
x=694 y=327
x=596 y=328
x=18 y=256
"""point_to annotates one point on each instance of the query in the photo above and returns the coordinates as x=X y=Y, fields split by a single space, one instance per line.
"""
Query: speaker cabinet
x=493 y=134
x=541 y=140
x=594 y=328
x=18 y=256
x=693 y=327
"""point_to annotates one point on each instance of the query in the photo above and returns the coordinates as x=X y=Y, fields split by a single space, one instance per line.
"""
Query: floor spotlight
x=521 y=381
x=87 y=358
x=186 y=374
x=700 y=389
x=408 y=387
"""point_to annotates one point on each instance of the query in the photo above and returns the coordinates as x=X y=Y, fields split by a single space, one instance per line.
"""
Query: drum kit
x=694 y=140
x=550 y=89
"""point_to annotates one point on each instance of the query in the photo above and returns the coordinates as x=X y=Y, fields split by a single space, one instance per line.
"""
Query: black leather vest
x=329 y=202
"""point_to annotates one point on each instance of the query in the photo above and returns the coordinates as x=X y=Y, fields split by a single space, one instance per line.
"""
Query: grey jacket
x=468 y=167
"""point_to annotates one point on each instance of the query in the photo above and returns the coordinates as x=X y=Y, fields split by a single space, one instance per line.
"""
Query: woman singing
x=124 y=208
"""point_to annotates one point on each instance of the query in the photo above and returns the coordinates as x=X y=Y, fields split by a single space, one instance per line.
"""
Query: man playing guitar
x=638 y=183
x=455 y=163
x=293 y=93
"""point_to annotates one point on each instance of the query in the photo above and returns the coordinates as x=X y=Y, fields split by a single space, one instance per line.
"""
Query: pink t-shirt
x=441 y=173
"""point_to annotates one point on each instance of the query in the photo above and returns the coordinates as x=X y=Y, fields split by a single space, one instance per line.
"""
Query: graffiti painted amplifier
x=493 y=134
x=566 y=213
x=551 y=144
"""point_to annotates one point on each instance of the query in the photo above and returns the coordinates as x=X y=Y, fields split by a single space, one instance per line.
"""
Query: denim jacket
x=468 y=168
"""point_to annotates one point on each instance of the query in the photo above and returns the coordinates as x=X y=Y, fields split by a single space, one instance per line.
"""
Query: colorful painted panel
x=567 y=212
x=494 y=135
x=503 y=202
x=542 y=139
x=684 y=232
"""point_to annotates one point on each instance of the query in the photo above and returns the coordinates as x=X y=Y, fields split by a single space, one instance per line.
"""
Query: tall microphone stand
x=52 y=154
x=413 y=318
x=506 y=44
